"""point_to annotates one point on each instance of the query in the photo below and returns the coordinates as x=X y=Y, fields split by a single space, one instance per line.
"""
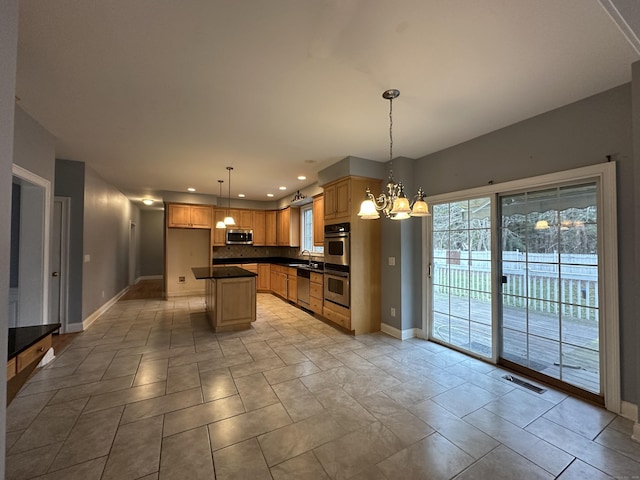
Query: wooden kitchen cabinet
x=292 y=285
x=279 y=280
x=316 y=292
x=288 y=224
x=243 y=218
x=189 y=216
x=318 y=220
x=218 y=234
x=271 y=228
x=264 y=277
x=259 y=230
x=337 y=201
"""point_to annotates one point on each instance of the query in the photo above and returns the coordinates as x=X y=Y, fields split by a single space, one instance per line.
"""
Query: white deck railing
x=549 y=283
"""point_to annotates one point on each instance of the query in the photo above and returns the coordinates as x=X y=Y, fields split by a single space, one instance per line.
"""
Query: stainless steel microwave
x=239 y=237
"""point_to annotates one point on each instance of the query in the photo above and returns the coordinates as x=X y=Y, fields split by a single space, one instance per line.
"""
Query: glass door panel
x=550 y=283
x=461 y=277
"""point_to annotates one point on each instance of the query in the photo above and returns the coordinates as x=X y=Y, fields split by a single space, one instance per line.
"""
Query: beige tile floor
x=150 y=392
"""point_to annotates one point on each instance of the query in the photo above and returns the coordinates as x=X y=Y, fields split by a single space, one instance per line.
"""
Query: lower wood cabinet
x=337 y=314
x=264 y=277
x=316 y=292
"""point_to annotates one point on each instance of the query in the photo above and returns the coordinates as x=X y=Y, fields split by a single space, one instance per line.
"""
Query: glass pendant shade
x=220 y=224
x=420 y=209
x=399 y=216
x=229 y=221
x=368 y=210
x=401 y=205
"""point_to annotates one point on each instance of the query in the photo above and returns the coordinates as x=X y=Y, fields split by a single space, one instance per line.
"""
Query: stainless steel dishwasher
x=303 y=287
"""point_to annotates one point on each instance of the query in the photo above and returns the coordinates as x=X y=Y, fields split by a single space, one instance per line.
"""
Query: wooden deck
x=562 y=347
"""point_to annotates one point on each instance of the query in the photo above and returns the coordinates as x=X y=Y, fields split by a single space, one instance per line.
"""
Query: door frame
x=65 y=215
x=605 y=174
x=46 y=209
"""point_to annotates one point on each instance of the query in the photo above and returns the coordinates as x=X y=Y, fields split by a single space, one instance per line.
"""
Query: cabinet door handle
x=55 y=274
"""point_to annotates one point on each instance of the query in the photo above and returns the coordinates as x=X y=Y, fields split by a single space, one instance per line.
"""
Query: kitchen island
x=230 y=296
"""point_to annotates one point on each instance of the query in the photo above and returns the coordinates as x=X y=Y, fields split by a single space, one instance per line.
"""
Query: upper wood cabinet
x=271 y=228
x=243 y=218
x=218 y=234
x=288 y=222
x=189 y=216
x=318 y=220
x=259 y=229
x=337 y=201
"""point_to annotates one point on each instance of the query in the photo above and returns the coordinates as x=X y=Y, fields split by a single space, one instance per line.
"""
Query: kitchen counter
x=230 y=296
x=21 y=338
x=284 y=261
x=26 y=346
x=205 y=273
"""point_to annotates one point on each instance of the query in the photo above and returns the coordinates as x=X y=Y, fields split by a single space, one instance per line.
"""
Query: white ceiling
x=163 y=94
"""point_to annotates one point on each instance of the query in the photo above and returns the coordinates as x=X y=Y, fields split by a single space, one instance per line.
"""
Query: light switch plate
x=392 y=261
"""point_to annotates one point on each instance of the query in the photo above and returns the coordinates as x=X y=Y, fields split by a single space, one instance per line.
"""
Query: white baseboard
x=400 y=334
x=629 y=410
x=149 y=277
x=636 y=432
x=86 y=323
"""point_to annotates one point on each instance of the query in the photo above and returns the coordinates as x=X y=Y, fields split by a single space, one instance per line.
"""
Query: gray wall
x=636 y=221
x=70 y=183
x=151 y=242
x=8 y=54
x=34 y=147
x=107 y=213
x=577 y=135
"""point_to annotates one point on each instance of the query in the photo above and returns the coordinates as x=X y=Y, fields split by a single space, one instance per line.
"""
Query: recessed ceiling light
x=302 y=177
x=191 y=189
x=282 y=188
x=241 y=195
x=147 y=201
x=269 y=194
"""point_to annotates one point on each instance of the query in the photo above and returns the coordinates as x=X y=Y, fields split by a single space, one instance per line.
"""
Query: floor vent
x=524 y=384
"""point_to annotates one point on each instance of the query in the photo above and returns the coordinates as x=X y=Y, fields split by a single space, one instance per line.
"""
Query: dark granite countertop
x=204 y=273
x=21 y=338
x=285 y=261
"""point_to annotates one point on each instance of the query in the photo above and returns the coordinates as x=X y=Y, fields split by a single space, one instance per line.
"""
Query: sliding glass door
x=549 y=275
x=462 y=276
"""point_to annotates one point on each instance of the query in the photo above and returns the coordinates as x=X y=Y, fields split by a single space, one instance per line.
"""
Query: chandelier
x=394 y=203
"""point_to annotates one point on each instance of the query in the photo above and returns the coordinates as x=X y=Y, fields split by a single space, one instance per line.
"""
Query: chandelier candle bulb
x=394 y=203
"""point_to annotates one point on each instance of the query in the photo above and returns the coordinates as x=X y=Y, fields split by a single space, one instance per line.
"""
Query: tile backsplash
x=249 y=251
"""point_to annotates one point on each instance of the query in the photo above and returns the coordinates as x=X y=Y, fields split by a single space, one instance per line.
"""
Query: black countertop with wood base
x=26 y=347
x=230 y=296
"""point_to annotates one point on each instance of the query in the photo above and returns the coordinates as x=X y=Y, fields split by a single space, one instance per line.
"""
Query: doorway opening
x=29 y=255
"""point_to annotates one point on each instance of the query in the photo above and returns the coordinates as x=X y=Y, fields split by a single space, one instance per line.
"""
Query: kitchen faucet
x=307 y=251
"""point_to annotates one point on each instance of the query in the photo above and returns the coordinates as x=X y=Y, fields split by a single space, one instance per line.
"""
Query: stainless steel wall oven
x=336 y=285
x=336 y=244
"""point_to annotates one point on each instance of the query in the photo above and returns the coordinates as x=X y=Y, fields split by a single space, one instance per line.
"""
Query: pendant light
x=394 y=203
x=220 y=223
x=228 y=220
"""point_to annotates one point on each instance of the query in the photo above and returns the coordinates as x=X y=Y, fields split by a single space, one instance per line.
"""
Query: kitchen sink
x=314 y=267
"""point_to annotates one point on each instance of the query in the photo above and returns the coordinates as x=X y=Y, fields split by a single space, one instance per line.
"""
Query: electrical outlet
x=181 y=279
x=393 y=312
